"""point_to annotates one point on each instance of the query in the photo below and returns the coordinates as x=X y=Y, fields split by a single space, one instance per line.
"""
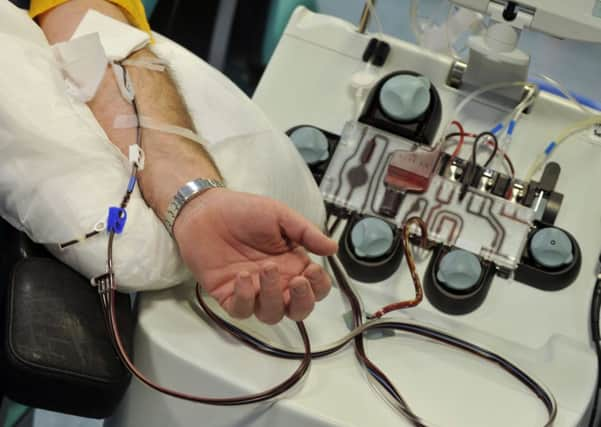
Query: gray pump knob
x=459 y=270
x=551 y=248
x=405 y=97
x=311 y=143
x=372 y=238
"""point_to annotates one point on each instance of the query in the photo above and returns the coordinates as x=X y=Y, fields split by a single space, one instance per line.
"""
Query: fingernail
x=245 y=275
x=300 y=290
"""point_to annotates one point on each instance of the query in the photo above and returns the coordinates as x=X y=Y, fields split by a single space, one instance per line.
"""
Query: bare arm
x=247 y=251
x=157 y=97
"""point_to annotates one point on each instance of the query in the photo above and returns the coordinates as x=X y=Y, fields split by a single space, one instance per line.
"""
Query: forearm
x=171 y=160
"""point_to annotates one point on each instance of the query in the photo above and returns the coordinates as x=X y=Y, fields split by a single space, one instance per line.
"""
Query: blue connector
x=132 y=184
x=550 y=148
x=116 y=220
x=511 y=127
x=498 y=128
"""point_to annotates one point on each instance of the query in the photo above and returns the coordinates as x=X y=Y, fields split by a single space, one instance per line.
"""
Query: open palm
x=249 y=253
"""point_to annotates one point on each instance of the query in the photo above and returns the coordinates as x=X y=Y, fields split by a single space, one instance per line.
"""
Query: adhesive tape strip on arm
x=371 y=238
x=552 y=248
x=405 y=97
x=311 y=143
x=131 y=121
x=459 y=270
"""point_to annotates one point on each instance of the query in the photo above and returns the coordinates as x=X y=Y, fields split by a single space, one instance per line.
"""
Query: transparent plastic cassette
x=370 y=166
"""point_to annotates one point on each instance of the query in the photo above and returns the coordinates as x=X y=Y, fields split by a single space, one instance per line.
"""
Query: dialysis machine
x=503 y=178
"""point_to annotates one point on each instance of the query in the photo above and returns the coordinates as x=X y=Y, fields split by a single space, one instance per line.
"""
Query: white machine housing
x=308 y=81
x=574 y=19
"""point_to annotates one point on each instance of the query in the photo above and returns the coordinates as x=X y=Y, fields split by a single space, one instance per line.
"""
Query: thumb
x=303 y=232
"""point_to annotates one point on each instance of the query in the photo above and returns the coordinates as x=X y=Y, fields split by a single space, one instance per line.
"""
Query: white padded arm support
x=60 y=173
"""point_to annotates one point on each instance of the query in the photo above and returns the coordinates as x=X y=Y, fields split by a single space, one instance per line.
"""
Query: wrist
x=195 y=212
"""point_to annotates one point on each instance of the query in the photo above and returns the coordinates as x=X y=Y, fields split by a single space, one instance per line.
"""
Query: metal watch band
x=188 y=192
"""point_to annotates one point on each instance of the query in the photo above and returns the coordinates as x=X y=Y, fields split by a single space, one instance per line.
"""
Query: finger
x=242 y=302
x=270 y=306
x=302 y=299
x=301 y=231
x=320 y=280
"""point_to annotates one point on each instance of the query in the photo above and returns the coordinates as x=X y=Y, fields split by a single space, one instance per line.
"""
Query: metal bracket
x=365 y=17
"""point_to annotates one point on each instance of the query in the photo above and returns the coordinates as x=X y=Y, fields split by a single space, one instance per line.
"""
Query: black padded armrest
x=57 y=353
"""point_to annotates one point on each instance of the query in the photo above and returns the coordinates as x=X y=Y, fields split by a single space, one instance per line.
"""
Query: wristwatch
x=184 y=195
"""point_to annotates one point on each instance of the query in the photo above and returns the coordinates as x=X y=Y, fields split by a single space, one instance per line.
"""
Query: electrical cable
x=462 y=136
x=596 y=338
x=479 y=138
x=508 y=161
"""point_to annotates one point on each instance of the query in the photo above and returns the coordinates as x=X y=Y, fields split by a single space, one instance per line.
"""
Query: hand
x=249 y=253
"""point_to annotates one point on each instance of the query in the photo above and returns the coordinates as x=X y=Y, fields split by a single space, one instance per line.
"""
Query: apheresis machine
x=466 y=204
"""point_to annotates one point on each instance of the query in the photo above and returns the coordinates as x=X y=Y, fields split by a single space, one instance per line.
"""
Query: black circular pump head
x=370 y=249
x=551 y=261
x=551 y=248
x=457 y=281
x=316 y=146
x=311 y=143
x=406 y=104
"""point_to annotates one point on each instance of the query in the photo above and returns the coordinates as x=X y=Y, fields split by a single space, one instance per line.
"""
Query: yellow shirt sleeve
x=134 y=10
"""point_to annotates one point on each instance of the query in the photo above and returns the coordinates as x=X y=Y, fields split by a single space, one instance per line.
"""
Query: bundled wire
x=479 y=138
x=537 y=389
x=419 y=292
x=107 y=288
x=490 y=144
x=386 y=386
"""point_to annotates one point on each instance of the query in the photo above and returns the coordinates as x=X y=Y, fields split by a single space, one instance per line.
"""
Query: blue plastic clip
x=550 y=148
x=511 y=127
x=498 y=128
x=116 y=220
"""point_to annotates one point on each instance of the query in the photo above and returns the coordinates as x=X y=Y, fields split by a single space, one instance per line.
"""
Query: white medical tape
x=153 y=64
x=123 y=81
x=137 y=156
x=131 y=121
x=83 y=63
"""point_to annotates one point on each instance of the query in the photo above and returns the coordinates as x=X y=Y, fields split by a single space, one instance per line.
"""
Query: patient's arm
x=247 y=251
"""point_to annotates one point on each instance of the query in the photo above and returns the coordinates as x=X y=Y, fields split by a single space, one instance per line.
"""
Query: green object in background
x=14 y=413
x=149 y=6
x=279 y=14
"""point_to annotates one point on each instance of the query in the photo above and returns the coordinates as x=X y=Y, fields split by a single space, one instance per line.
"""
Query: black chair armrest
x=56 y=351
